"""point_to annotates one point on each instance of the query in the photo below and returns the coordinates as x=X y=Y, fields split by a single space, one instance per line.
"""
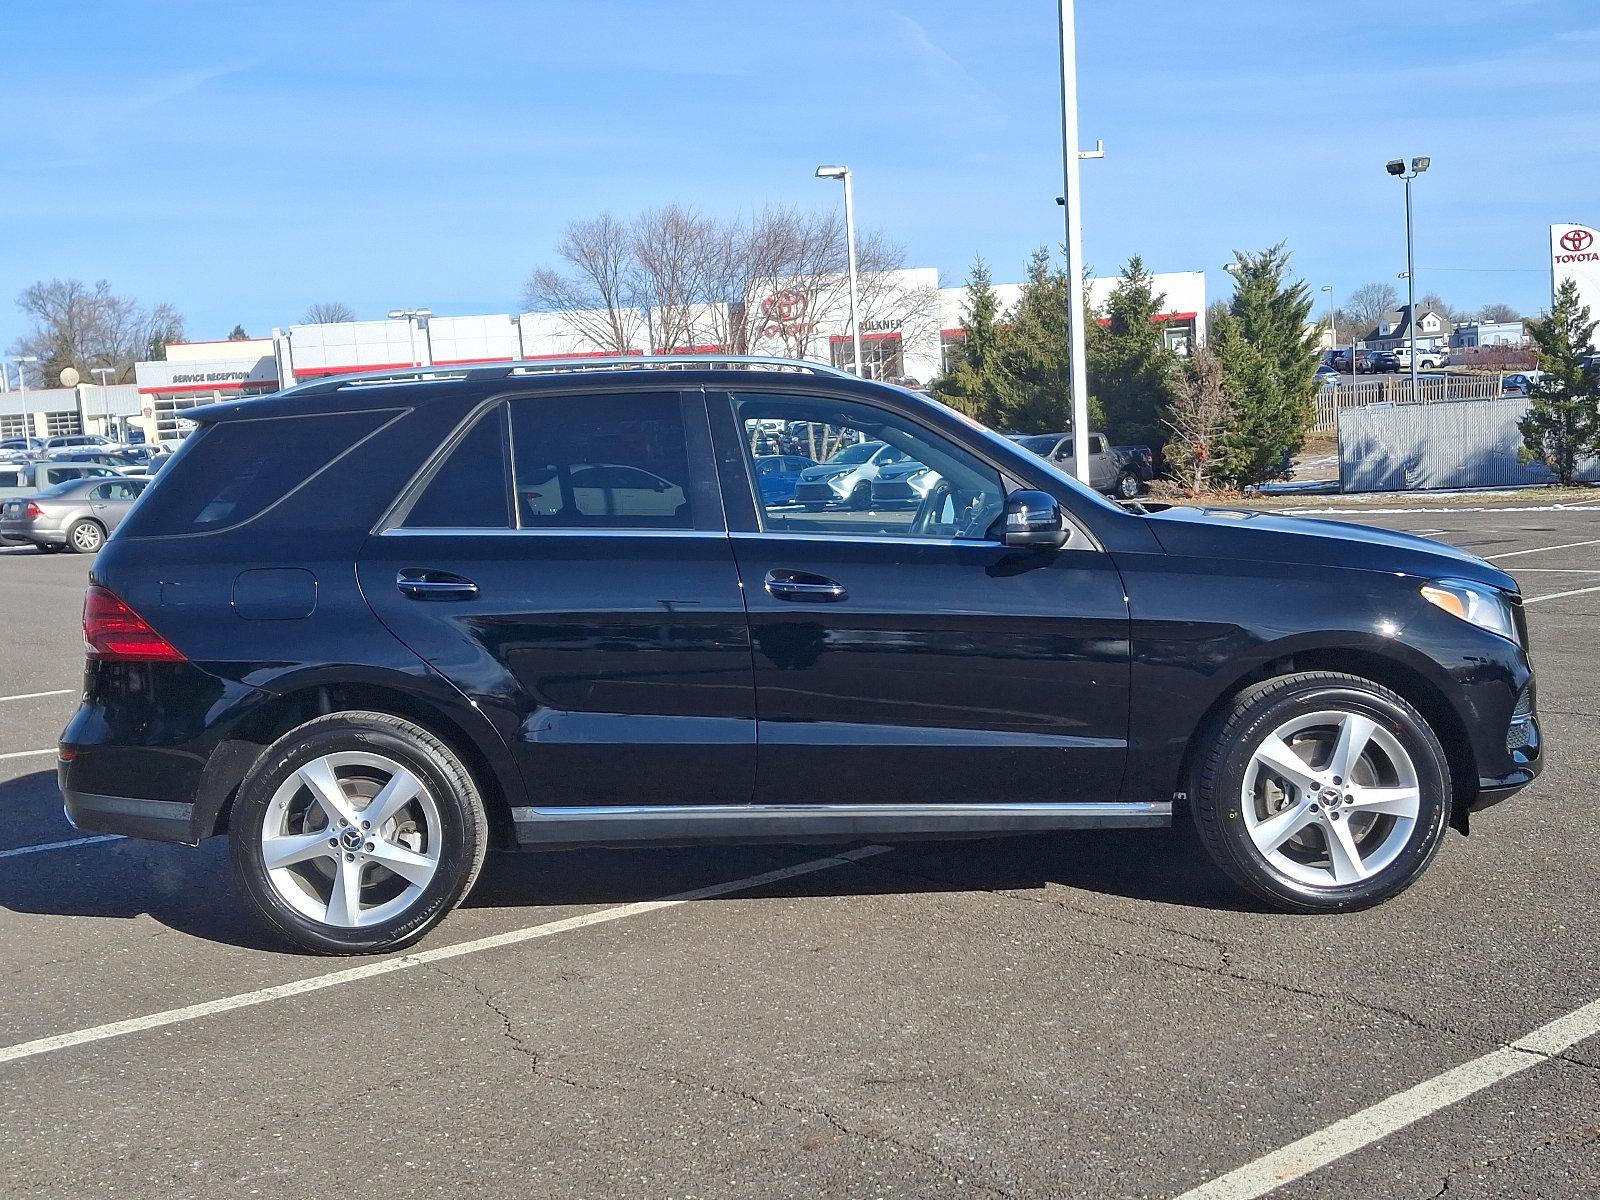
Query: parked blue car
x=778 y=473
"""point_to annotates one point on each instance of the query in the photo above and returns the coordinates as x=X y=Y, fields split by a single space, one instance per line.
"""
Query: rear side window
x=234 y=470
x=601 y=462
x=472 y=487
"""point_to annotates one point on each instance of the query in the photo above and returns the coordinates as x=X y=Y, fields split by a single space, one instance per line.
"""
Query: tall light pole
x=843 y=173
x=412 y=317
x=22 y=386
x=1077 y=351
x=1397 y=167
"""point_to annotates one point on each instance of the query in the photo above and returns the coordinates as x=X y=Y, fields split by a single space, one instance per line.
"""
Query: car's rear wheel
x=1127 y=487
x=1322 y=792
x=357 y=832
x=86 y=537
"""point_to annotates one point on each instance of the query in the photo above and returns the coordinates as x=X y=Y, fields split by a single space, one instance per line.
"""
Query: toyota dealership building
x=909 y=327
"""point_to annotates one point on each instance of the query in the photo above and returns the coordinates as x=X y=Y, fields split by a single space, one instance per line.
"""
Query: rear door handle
x=804 y=587
x=434 y=585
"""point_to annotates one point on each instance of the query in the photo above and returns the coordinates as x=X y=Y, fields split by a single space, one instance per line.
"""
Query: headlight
x=1474 y=603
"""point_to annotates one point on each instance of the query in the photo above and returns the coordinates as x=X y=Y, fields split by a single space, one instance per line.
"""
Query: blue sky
x=241 y=160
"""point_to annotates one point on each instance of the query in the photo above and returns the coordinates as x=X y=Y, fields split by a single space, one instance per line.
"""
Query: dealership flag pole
x=1074 y=206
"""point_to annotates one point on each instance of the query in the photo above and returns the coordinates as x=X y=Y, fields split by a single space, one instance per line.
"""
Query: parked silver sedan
x=76 y=515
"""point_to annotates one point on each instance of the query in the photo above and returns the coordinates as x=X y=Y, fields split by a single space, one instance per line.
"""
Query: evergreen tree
x=238 y=334
x=1131 y=367
x=1036 y=392
x=1270 y=357
x=973 y=385
x=1563 y=422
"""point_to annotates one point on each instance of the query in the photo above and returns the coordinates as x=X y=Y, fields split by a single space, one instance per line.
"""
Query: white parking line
x=1541 y=549
x=38 y=695
x=403 y=962
x=27 y=753
x=1346 y=1136
x=19 y=851
x=1559 y=595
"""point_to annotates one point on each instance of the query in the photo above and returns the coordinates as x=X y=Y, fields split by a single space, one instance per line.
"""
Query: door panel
x=947 y=673
x=616 y=666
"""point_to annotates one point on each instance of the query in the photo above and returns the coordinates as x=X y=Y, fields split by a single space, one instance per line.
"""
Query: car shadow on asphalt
x=192 y=890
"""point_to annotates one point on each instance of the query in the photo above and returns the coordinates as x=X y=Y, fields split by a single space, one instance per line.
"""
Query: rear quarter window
x=233 y=471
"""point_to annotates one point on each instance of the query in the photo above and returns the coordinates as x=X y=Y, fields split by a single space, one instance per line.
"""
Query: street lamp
x=1397 y=168
x=1072 y=197
x=843 y=173
x=22 y=386
x=414 y=317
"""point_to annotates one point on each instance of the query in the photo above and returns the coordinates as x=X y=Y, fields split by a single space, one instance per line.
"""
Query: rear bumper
x=161 y=820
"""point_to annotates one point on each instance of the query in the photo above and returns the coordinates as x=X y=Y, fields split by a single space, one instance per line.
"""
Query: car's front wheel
x=1322 y=792
x=357 y=832
x=1127 y=487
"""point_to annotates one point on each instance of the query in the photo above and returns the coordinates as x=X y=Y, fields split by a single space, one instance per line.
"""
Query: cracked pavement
x=1094 y=1015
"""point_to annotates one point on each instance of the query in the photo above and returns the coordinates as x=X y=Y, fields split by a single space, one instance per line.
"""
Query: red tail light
x=116 y=633
x=33 y=512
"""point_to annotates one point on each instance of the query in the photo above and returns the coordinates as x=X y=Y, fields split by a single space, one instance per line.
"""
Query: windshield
x=859 y=453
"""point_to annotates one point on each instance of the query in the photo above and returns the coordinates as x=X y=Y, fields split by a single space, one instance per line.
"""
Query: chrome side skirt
x=688 y=823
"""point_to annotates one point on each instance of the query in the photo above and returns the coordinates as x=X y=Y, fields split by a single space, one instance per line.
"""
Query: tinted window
x=472 y=487
x=601 y=462
x=232 y=471
x=920 y=485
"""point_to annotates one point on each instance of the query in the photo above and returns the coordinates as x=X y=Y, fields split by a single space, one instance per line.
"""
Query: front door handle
x=804 y=587
x=434 y=585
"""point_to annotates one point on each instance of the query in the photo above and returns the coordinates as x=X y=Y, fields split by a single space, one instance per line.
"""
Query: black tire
x=86 y=537
x=1217 y=802
x=1127 y=486
x=861 y=497
x=50 y=548
x=463 y=833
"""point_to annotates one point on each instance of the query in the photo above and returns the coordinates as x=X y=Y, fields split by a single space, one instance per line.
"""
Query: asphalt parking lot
x=1088 y=1014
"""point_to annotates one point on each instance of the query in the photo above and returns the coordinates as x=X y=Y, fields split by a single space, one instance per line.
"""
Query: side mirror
x=1034 y=519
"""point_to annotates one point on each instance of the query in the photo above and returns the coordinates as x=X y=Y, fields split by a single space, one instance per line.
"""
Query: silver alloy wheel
x=351 y=839
x=86 y=537
x=1330 y=798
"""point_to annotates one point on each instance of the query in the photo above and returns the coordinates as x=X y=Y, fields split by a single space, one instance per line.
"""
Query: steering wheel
x=971 y=521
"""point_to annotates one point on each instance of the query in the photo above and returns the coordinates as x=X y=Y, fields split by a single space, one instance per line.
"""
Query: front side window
x=601 y=462
x=870 y=473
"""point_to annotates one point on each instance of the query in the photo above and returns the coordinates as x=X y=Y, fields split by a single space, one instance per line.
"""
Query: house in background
x=1470 y=335
x=1393 y=330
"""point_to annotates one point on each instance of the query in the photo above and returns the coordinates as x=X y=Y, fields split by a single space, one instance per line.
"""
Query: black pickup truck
x=1120 y=471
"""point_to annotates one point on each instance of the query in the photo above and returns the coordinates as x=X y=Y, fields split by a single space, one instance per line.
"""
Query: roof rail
x=545 y=366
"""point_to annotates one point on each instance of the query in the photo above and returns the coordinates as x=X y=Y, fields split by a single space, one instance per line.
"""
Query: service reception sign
x=1575 y=255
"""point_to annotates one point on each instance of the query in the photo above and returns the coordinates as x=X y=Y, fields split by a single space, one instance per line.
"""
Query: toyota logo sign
x=1576 y=239
x=785 y=306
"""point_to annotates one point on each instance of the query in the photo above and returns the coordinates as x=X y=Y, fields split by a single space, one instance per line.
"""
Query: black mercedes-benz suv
x=371 y=627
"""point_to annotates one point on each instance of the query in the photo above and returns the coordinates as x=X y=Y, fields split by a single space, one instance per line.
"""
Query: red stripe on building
x=866 y=337
x=583 y=354
x=463 y=362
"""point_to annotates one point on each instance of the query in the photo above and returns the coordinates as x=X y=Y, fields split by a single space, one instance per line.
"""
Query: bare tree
x=75 y=325
x=1200 y=415
x=1498 y=312
x=1436 y=303
x=757 y=283
x=1368 y=303
x=597 y=294
x=330 y=312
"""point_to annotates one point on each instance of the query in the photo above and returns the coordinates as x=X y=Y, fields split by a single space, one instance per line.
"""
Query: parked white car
x=1427 y=360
